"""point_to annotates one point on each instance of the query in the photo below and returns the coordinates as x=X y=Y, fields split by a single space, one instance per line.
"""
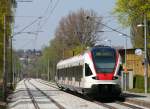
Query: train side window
x=88 y=71
x=58 y=73
x=63 y=73
x=72 y=72
x=69 y=73
x=80 y=71
x=77 y=74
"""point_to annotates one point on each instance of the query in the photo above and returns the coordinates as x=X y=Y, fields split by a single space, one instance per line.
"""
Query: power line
x=27 y=26
x=88 y=17
x=48 y=7
x=39 y=27
x=115 y=30
x=24 y=1
x=28 y=16
x=40 y=17
x=51 y=12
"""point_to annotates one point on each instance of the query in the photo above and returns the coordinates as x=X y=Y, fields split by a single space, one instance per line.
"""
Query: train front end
x=105 y=67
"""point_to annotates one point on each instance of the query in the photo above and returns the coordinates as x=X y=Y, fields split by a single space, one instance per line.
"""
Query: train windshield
x=104 y=60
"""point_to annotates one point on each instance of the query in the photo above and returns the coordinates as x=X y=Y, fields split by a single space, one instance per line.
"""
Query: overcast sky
x=52 y=11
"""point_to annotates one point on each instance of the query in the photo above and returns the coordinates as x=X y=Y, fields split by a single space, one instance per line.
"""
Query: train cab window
x=88 y=71
x=120 y=69
x=104 y=59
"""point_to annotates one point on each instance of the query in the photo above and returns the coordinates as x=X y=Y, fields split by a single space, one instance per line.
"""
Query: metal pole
x=11 y=53
x=145 y=55
x=4 y=62
x=48 y=70
x=11 y=71
x=125 y=63
x=14 y=72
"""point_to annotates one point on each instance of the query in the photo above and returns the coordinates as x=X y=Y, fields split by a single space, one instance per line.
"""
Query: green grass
x=1 y=94
x=1 y=99
x=138 y=82
x=136 y=90
x=2 y=107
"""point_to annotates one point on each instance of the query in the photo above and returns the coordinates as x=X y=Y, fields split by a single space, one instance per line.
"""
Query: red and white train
x=97 y=71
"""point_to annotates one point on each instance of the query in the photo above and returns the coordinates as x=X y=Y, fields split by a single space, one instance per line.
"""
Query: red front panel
x=104 y=76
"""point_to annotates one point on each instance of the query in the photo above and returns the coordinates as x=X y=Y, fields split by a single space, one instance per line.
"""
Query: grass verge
x=1 y=94
x=137 y=90
x=2 y=107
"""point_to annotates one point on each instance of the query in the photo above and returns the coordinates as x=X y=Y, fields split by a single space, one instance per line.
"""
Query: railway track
x=31 y=96
x=51 y=99
x=129 y=105
x=98 y=103
x=48 y=84
x=33 y=99
x=107 y=105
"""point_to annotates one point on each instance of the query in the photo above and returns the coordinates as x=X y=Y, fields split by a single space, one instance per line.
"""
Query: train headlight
x=115 y=77
x=94 y=77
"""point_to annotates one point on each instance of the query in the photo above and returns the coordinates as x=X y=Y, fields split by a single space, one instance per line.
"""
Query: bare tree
x=75 y=30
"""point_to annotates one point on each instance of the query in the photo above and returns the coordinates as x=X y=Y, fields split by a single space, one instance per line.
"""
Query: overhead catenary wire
x=46 y=19
x=38 y=25
x=38 y=18
x=51 y=12
x=50 y=1
x=27 y=16
x=115 y=30
x=45 y=12
x=110 y=18
x=27 y=26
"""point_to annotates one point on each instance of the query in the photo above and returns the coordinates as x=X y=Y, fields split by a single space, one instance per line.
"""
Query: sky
x=37 y=21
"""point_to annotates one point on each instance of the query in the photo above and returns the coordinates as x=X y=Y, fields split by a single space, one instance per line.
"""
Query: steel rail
x=139 y=102
x=55 y=102
x=48 y=84
x=99 y=103
x=104 y=105
x=31 y=96
x=129 y=105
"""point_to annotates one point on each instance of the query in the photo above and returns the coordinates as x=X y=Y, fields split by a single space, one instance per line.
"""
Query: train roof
x=73 y=61
x=79 y=59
